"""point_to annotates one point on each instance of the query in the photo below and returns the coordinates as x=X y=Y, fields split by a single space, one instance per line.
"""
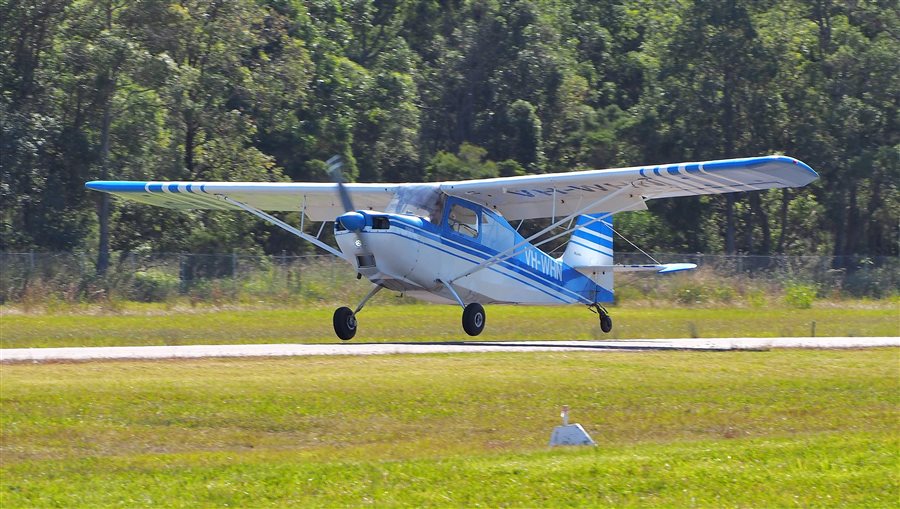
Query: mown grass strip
x=822 y=471
x=675 y=428
x=434 y=323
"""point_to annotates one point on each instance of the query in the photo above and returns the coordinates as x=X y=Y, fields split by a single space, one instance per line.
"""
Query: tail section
x=590 y=249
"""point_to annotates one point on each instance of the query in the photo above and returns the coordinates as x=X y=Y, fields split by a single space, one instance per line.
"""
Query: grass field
x=159 y=325
x=808 y=428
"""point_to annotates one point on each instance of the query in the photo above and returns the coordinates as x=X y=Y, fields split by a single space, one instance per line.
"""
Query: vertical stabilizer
x=590 y=248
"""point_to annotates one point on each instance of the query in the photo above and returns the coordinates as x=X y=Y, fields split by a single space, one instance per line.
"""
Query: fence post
x=284 y=273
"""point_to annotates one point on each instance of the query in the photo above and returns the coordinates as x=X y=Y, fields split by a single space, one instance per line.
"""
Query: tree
x=711 y=94
x=470 y=163
x=441 y=89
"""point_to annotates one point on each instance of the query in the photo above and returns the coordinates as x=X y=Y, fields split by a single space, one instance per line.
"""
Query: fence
x=156 y=277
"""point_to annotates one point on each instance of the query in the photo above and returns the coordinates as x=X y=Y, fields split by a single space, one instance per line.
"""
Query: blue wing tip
x=113 y=186
x=803 y=165
x=762 y=160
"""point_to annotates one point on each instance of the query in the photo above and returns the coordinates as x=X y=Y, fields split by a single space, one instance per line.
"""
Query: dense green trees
x=409 y=90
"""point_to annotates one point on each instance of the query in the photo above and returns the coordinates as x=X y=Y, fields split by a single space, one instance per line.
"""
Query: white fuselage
x=412 y=255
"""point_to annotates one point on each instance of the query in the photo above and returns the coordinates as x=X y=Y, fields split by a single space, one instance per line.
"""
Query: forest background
x=412 y=90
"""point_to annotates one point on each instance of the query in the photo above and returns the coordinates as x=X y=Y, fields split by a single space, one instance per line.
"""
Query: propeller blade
x=334 y=168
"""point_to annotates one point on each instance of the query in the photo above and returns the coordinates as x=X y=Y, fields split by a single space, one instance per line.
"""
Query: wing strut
x=284 y=226
x=512 y=251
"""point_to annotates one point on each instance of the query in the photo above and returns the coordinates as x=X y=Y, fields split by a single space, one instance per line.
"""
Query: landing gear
x=605 y=323
x=344 y=323
x=473 y=313
x=473 y=319
x=345 y=318
x=605 y=320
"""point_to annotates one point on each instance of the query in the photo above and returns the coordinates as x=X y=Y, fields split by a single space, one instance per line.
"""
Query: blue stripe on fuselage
x=573 y=282
x=415 y=238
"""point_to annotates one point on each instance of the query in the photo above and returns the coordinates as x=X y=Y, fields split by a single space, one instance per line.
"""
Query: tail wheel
x=344 y=323
x=605 y=323
x=473 y=319
x=605 y=320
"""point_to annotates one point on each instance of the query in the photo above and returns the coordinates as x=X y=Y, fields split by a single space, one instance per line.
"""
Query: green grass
x=816 y=472
x=156 y=325
x=705 y=429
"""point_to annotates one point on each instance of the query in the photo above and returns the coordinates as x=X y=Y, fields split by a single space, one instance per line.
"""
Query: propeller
x=335 y=164
x=350 y=219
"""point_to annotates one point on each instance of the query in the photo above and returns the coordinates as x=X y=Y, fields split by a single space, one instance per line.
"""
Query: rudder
x=590 y=248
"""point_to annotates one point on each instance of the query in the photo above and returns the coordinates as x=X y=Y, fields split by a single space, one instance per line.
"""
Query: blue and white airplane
x=451 y=242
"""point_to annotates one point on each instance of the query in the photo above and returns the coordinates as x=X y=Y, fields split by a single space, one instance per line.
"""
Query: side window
x=463 y=220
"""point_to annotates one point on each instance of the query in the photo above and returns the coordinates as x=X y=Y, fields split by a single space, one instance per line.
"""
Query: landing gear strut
x=345 y=318
x=605 y=320
x=473 y=313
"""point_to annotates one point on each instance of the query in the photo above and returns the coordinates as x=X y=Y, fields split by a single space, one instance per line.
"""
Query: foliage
x=468 y=164
x=424 y=90
x=154 y=286
x=800 y=295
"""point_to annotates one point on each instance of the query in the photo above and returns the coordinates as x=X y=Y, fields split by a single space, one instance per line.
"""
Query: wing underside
x=554 y=195
x=561 y=194
x=319 y=201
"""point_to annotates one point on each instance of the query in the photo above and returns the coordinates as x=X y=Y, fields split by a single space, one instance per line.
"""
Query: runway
x=359 y=348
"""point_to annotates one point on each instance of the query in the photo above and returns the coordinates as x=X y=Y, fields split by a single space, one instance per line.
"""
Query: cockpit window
x=463 y=220
x=424 y=200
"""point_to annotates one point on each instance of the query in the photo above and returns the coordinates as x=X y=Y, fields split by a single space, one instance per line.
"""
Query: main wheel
x=473 y=319
x=344 y=323
x=605 y=323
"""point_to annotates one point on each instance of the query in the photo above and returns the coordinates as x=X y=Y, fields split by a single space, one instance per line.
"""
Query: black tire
x=473 y=319
x=344 y=323
x=605 y=323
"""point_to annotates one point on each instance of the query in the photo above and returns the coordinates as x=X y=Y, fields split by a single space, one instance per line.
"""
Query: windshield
x=423 y=200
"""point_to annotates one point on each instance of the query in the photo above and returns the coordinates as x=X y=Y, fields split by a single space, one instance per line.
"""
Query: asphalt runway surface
x=362 y=348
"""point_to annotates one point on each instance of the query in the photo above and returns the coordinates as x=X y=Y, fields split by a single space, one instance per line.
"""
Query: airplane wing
x=526 y=197
x=561 y=194
x=320 y=201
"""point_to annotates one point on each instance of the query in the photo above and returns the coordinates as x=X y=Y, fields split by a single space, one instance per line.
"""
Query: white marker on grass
x=569 y=434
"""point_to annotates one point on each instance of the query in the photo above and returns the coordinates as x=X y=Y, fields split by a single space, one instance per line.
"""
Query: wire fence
x=161 y=276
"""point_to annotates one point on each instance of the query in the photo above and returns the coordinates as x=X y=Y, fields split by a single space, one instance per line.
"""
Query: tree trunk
x=839 y=231
x=109 y=81
x=761 y=218
x=729 y=223
x=785 y=201
x=103 y=209
x=190 y=139
x=854 y=224
x=729 y=129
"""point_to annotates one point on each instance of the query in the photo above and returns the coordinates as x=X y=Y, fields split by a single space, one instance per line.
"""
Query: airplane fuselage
x=415 y=256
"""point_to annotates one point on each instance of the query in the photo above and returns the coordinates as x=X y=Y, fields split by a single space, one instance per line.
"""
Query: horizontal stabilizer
x=664 y=268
